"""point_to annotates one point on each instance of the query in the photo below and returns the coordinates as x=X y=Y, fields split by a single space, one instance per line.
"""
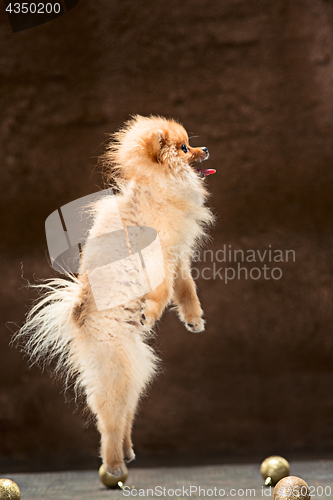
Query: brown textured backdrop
x=255 y=81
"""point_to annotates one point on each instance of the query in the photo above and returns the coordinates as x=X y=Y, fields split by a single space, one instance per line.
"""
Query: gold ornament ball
x=273 y=469
x=9 y=490
x=291 y=488
x=109 y=480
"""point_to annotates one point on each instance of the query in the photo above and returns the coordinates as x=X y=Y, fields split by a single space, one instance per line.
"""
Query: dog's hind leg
x=108 y=398
x=112 y=432
x=129 y=454
x=114 y=371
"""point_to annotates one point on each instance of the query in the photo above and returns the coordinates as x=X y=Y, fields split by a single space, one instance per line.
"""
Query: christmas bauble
x=291 y=488
x=273 y=469
x=109 y=480
x=9 y=490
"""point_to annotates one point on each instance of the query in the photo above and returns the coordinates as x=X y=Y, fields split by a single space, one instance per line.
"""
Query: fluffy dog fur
x=161 y=186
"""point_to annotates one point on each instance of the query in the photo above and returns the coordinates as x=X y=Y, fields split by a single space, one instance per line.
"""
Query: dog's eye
x=184 y=148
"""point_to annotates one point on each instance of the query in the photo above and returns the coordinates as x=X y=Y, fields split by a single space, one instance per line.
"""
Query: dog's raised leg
x=157 y=300
x=186 y=299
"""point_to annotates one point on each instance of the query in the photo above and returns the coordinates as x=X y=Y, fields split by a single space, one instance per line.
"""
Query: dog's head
x=158 y=148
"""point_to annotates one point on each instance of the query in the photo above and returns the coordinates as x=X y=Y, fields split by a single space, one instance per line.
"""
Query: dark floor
x=229 y=480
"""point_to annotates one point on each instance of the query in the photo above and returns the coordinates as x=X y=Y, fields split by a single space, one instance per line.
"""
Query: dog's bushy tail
x=48 y=331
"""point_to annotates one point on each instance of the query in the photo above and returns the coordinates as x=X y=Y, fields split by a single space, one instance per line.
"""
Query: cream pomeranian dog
x=160 y=184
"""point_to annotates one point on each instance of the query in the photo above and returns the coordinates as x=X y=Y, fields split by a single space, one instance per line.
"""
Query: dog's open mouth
x=203 y=172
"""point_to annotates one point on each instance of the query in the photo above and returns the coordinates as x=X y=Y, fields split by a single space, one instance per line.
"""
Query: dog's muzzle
x=205 y=150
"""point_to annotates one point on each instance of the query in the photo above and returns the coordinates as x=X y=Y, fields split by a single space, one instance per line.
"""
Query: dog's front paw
x=195 y=325
x=146 y=320
x=149 y=314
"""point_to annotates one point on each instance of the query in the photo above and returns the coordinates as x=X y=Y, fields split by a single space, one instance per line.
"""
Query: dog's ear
x=154 y=143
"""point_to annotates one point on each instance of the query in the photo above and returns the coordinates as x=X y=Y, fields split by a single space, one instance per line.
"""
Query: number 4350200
x=33 y=8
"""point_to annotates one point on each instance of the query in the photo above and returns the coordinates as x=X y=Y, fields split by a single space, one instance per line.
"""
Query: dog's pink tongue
x=207 y=171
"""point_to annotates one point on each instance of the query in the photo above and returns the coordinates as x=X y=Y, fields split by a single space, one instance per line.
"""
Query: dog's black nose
x=205 y=150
